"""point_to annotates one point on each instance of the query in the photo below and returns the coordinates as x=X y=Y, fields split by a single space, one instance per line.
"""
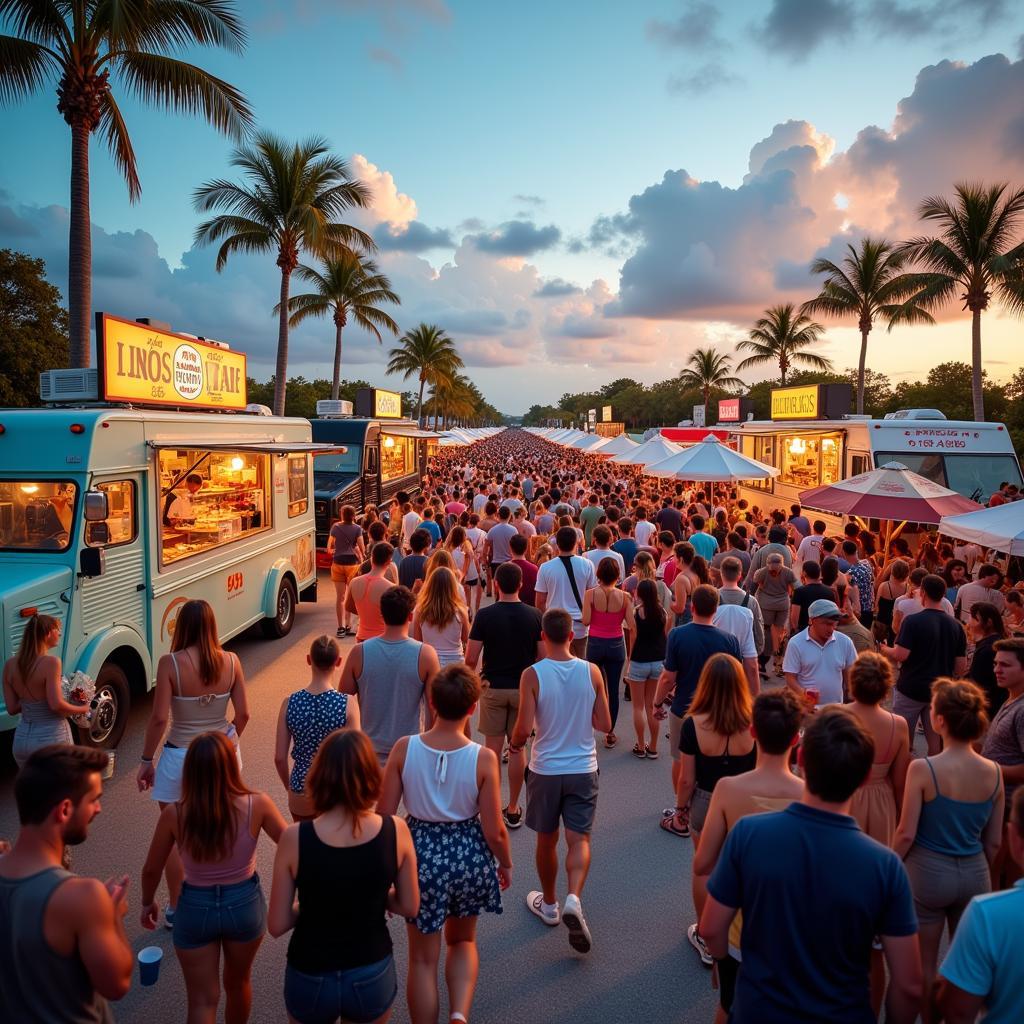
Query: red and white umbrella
x=890 y=492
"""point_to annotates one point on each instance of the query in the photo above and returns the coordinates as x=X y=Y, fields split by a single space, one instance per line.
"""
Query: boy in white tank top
x=564 y=698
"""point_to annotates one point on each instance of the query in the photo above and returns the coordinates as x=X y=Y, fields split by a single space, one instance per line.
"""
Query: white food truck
x=128 y=496
x=811 y=442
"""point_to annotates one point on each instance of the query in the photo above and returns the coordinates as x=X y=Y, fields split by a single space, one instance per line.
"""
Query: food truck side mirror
x=96 y=507
x=92 y=561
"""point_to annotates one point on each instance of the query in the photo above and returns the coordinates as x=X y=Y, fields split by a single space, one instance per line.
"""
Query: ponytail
x=36 y=630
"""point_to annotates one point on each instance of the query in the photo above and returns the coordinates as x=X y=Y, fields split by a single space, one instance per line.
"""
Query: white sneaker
x=535 y=901
x=698 y=943
x=573 y=919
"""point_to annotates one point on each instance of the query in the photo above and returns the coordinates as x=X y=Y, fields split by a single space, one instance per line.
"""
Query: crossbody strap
x=566 y=561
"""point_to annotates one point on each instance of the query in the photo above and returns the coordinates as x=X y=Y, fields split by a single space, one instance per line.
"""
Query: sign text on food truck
x=376 y=403
x=811 y=402
x=147 y=366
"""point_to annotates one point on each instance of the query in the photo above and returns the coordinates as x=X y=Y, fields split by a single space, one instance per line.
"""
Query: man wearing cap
x=776 y=545
x=818 y=657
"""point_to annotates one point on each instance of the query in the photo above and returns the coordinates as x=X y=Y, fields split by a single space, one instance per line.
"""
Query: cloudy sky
x=576 y=191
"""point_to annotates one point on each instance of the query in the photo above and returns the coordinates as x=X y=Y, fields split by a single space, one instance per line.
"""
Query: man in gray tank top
x=389 y=675
x=65 y=948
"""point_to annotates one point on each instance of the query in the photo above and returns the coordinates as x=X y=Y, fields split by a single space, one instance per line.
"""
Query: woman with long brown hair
x=715 y=742
x=441 y=618
x=194 y=685
x=467 y=566
x=215 y=827
x=31 y=683
x=349 y=867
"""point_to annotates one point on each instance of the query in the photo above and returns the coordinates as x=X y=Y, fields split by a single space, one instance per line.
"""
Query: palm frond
x=24 y=66
x=177 y=85
x=115 y=131
x=171 y=24
x=39 y=21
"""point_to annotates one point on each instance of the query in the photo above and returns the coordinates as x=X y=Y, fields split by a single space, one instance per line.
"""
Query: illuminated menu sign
x=147 y=366
x=606 y=414
x=812 y=402
x=376 y=403
x=729 y=410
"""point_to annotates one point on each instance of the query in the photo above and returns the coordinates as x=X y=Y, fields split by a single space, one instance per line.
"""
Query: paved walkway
x=637 y=898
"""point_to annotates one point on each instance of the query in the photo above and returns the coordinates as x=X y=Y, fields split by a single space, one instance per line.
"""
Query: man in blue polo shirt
x=703 y=543
x=815 y=891
x=984 y=968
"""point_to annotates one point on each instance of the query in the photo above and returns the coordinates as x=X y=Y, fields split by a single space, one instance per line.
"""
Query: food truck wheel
x=284 y=617
x=110 y=715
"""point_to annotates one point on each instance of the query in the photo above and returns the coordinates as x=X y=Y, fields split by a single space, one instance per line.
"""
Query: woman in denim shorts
x=645 y=665
x=216 y=827
x=348 y=866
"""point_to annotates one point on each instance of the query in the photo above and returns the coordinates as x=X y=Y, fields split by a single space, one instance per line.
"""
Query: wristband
x=146 y=760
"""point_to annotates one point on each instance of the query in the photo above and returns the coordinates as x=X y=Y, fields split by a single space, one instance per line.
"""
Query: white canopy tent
x=1000 y=527
x=619 y=445
x=656 y=449
x=590 y=443
x=712 y=462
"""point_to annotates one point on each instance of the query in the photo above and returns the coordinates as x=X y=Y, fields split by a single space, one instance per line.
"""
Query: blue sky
x=554 y=116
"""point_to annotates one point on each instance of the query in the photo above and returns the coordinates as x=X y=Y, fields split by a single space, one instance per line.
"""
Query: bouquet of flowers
x=78 y=688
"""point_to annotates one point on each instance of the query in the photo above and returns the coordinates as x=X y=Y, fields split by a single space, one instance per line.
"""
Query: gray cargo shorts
x=571 y=799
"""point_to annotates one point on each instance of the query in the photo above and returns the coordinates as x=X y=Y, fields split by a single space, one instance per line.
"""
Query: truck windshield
x=36 y=515
x=350 y=462
x=975 y=476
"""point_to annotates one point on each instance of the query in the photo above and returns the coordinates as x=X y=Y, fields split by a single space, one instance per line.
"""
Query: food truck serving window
x=36 y=515
x=397 y=456
x=809 y=461
x=120 y=525
x=762 y=449
x=211 y=498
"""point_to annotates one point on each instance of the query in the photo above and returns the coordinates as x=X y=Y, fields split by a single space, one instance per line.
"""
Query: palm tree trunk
x=976 y=392
x=860 y=372
x=80 y=249
x=281 y=372
x=419 y=404
x=336 y=382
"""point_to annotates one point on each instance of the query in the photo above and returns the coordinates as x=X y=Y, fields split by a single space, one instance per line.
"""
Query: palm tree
x=290 y=200
x=976 y=255
x=870 y=283
x=707 y=369
x=79 y=43
x=425 y=352
x=780 y=336
x=348 y=286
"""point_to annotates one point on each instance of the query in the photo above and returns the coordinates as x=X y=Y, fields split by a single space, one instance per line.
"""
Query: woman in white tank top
x=451 y=791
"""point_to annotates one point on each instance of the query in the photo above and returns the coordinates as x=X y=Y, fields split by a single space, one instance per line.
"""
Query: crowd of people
x=522 y=594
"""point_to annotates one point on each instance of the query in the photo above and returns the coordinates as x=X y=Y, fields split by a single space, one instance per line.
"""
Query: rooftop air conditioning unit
x=915 y=414
x=330 y=408
x=256 y=409
x=80 y=385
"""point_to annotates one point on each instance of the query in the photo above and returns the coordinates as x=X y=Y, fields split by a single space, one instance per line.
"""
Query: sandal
x=639 y=751
x=610 y=740
x=668 y=824
x=652 y=754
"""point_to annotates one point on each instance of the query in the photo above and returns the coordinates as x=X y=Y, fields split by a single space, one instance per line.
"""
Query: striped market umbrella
x=890 y=492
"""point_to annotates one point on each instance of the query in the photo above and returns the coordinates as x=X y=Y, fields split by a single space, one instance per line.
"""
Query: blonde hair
x=723 y=695
x=37 y=629
x=440 y=559
x=644 y=565
x=440 y=600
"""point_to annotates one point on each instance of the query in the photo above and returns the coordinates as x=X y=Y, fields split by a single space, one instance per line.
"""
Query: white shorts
x=169 y=770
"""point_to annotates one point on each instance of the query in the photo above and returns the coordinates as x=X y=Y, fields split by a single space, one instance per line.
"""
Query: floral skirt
x=457 y=873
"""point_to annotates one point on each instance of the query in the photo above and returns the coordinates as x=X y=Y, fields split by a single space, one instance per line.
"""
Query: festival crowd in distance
x=843 y=722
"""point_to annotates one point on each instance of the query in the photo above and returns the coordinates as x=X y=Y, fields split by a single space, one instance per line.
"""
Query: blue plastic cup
x=149 y=964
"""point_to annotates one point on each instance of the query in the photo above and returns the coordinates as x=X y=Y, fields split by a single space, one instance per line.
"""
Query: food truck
x=144 y=483
x=384 y=454
x=813 y=440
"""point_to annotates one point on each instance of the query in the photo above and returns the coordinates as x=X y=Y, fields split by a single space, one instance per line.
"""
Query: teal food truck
x=147 y=482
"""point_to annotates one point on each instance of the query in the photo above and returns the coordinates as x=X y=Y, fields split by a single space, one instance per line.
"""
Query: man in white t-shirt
x=602 y=549
x=554 y=589
x=810 y=547
x=645 y=530
x=739 y=621
x=820 y=658
x=984 y=590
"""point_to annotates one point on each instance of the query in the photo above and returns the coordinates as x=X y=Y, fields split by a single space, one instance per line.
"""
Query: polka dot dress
x=311 y=718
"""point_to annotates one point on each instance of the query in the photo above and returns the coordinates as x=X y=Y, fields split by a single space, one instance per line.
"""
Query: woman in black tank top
x=349 y=866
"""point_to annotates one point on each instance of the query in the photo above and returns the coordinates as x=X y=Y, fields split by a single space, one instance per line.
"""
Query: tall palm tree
x=290 y=200
x=976 y=256
x=427 y=353
x=870 y=283
x=781 y=336
x=707 y=369
x=80 y=43
x=348 y=286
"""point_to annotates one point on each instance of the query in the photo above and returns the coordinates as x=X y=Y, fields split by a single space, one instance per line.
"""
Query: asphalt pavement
x=637 y=898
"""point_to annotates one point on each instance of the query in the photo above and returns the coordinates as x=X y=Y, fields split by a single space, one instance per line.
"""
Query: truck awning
x=404 y=431
x=268 y=447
